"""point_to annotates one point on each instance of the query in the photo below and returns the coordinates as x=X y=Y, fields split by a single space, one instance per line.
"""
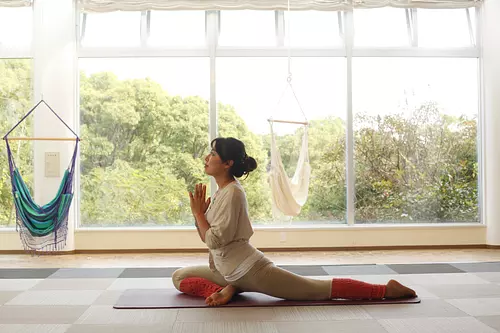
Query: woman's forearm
x=201 y=225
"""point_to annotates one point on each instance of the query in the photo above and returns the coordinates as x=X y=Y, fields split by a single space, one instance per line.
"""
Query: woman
x=235 y=265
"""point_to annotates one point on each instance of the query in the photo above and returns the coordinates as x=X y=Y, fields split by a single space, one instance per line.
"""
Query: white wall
x=55 y=68
x=491 y=72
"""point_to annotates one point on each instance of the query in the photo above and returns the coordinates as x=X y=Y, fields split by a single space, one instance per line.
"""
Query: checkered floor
x=455 y=298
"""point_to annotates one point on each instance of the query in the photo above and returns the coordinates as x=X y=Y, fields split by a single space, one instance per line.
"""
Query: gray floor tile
x=147 y=272
x=87 y=273
x=320 y=313
x=119 y=329
x=106 y=315
x=225 y=327
x=478 y=266
x=26 y=273
x=33 y=328
x=381 y=279
x=305 y=270
x=432 y=325
x=424 y=268
x=445 y=279
x=465 y=291
x=477 y=306
x=40 y=314
x=56 y=297
x=18 y=284
x=429 y=308
x=142 y=283
x=6 y=296
x=341 y=326
x=491 y=321
x=358 y=270
x=73 y=284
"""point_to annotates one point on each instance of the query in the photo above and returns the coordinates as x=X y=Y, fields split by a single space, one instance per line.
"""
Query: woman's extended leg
x=268 y=279
x=198 y=281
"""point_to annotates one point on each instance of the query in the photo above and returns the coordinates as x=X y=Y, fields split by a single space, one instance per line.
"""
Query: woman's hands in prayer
x=198 y=203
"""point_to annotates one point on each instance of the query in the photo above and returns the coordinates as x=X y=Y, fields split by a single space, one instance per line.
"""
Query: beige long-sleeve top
x=230 y=230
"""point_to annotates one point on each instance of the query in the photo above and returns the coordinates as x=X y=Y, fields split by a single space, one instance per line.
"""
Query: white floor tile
x=434 y=325
x=478 y=306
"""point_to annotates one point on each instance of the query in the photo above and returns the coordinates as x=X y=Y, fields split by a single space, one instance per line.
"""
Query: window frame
x=348 y=50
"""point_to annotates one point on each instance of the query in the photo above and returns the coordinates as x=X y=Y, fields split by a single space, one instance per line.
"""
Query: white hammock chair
x=289 y=195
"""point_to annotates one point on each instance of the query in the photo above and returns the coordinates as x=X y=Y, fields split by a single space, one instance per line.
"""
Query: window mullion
x=350 y=174
x=145 y=24
x=340 y=20
x=213 y=32
x=471 y=30
x=280 y=28
x=414 y=20
x=83 y=27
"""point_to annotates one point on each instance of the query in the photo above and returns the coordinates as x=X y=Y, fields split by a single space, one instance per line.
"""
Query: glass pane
x=113 y=29
x=15 y=102
x=177 y=28
x=433 y=32
x=16 y=25
x=380 y=27
x=239 y=28
x=415 y=126
x=312 y=28
x=320 y=87
x=145 y=124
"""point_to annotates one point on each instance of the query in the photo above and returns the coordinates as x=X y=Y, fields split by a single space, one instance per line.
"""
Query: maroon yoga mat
x=173 y=299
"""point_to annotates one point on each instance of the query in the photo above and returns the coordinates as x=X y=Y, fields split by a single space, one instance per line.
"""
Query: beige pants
x=264 y=278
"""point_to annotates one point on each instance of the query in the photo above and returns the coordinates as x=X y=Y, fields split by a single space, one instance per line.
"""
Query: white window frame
x=349 y=51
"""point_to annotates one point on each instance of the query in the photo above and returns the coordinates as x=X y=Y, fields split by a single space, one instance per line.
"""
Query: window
x=15 y=27
x=15 y=101
x=457 y=31
x=380 y=27
x=179 y=28
x=313 y=29
x=320 y=87
x=115 y=29
x=145 y=122
x=414 y=111
x=239 y=28
x=415 y=129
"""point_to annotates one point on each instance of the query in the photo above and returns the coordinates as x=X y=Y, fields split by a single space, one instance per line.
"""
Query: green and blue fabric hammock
x=42 y=228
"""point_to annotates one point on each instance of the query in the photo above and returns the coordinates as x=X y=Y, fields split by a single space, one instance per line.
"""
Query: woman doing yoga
x=234 y=264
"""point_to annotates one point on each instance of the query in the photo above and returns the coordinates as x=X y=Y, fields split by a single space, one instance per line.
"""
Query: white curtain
x=324 y=5
x=15 y=3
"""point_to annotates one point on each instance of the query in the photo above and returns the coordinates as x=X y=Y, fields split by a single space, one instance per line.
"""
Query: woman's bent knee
x=177 y=277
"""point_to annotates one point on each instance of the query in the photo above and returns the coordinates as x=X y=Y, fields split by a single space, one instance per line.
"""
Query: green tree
x=15 y=101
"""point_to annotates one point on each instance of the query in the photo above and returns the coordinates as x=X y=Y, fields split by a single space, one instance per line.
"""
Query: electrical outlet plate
x=52 y=164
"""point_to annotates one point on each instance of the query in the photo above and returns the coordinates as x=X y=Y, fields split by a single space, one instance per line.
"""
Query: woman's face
x=214 y=166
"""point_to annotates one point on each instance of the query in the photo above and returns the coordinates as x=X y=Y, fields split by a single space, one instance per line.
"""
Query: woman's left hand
x=198 y=203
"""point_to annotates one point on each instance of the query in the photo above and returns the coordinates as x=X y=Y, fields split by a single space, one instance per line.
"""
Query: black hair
x=231 y=149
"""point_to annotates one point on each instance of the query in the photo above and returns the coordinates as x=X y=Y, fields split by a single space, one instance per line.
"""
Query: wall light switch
x=52 y=164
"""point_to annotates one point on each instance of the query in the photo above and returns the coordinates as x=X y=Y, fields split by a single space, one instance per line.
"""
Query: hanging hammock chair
x=289 y=195
x=42 y=228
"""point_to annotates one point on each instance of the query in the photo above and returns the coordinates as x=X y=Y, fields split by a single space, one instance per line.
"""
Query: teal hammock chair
x=42 y=228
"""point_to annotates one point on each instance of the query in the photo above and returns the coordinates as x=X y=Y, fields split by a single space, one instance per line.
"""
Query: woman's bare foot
x=394 y=289
x=222 y=297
